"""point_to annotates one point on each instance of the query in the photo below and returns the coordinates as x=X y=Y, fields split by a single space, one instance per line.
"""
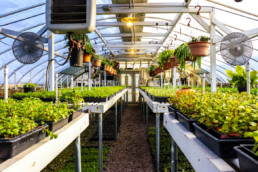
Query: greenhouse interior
x=129 y=85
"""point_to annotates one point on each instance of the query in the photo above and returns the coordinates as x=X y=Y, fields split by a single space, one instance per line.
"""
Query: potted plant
x=248 y=154
x=96 y=60
x=185 y=90
x=108 y=64
x=151 y=70
x=88 y=51
x=199 y=46
x=164 y=58
x=29 y=87
x=239 y=78
x=183 y=54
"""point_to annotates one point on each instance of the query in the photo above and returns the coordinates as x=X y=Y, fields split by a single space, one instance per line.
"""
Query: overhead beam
x=150 y=9
x=143 y=34
x=221 y=26
x=250 y=33
x=140 y=23
x=199 y=19
x=104 y=41
x=136 y=46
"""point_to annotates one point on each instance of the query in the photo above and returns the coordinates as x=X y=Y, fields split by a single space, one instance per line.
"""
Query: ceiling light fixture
x=130 y=20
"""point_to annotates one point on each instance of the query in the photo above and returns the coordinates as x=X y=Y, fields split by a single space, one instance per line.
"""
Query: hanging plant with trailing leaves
x=183 y=52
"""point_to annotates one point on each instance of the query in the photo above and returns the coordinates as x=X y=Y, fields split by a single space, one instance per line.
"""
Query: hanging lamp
x=130 y=20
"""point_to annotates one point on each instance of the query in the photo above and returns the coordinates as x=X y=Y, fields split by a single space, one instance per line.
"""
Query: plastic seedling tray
x=186 y=121
x=75 y=115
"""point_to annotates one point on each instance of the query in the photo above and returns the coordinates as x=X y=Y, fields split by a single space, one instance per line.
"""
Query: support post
x=90 y=84
x=105 y=78
x=67 y=81
x=77 y=145
x=15 y=85
x=100 y=144
x=174 y=77
x=56 y=87
x=6 y=82
x=72 y=82
x=116 y=120
x=203 y=83
x=174 y=156
x=212 y=52
x=121 y=108
x=157 y=139
x=221 y=84
x=44 y=81
x=248 y=78
x=51 y=50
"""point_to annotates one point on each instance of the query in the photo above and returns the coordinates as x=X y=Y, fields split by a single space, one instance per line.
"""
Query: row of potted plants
x=221 y=121
x=28 y=121
x=192 y=51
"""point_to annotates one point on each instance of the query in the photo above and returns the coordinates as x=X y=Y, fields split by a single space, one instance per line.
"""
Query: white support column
x=82 y=82
x=203 y=83
x=15 y=85
x=212 y=53
x=174 y=77
x=90 y=84
x=248 y=78
x=30 y=77
x=44 y=81
x=51 y=50
x=72 y=82
x=56 y=87
x=5 y=82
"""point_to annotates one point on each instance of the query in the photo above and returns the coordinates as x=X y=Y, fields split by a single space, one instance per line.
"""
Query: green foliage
x=118 y=71
x=101 y=91
x=232 y=114
x=107 y=62
x=239 y=78
x=29 y=85
x=160 y=92
x=97 y=57
x=73 y=97
x=183 y=52
x=152 y=68
x=201 y=38
x=164 y=57
x=40 y=95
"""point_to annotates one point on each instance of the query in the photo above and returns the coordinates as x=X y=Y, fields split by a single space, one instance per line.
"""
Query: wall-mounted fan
x=236 y=49
x=28 y=47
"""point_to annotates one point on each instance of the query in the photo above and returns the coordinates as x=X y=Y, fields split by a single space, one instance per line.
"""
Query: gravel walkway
x=131 y=150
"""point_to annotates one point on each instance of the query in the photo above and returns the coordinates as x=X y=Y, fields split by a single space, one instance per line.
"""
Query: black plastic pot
x=29 y=89
x=54 y=126
x=222 y=147
x=95 y=99
x=248 y=161
x=173 y=112
x=241 y=89
x=76 y=59
x=75 y=115
x=11 y=147
x=186 y=121
x=159 y=99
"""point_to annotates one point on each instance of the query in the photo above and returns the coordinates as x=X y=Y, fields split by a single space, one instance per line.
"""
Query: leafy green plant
x=152 y=68
x=107 y=62
x=183 y=52
x=97 y=57
x=239 y=78
x=29 y=85
x=164 y=57
x=201 y=38
x=73 y=97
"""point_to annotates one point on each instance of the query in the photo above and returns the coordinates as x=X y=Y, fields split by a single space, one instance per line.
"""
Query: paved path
x=131 y=150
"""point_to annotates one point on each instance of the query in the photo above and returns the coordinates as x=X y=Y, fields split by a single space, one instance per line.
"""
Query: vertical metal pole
x=161 y=80
x=147 y=118
x=15 y=85
x=90 y=85
x=72 y=82
x=174 y=77
x=174 y=156
x=197 y=83
x=82 y=82
x=221 y=84
x=77 y=145
x=6 y=82
x=56 y=87
x=203 y=83
x=44 y=81
x=116 y=120
x=157 y=139
x=100 y=144
x=51 y=56
x=124 y=103
x=188 y=81
x=248 y=78
x=105 y=78
x=212 y=53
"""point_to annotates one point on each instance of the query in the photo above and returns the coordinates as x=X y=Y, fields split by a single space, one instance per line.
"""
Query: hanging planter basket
x=199 y=48
x=167 y=66
x=108 y=68
x=157 y=70
x=174 y=62
x=86 y=58
x=96 y=63
x=190 y=60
